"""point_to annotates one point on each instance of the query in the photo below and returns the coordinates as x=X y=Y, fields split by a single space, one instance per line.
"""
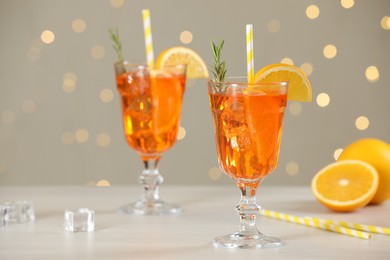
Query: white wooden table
x=208 y=211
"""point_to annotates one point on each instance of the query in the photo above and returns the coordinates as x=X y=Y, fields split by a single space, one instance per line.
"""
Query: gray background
x=35 y=111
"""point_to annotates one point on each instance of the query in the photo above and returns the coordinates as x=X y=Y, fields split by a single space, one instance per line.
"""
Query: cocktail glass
x=248 y=122
x=151 y=100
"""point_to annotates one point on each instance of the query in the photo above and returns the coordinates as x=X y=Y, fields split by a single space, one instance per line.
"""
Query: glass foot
x=238 y=240
x=149 y=208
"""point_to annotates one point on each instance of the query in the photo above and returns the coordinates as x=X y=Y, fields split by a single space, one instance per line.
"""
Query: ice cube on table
x=16 y=212
x=81 y=220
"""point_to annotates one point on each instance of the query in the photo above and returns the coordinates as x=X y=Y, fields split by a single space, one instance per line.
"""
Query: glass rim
x=142 y=65
x=242 y=81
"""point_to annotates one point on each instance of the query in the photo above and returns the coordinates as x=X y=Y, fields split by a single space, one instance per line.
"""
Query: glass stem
x=150 y=179
x=248 y=210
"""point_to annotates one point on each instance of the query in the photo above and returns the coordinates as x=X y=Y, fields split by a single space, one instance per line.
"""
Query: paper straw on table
x=317 y=224
x=249 y=52
x=362 y=227
x=148 y=37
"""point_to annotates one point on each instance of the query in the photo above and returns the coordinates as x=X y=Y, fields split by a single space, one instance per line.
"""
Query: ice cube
x=241 y=142
x=140 y=107
x=81 y=220
x=16 y=212
x=233 y=119
x=137 y=82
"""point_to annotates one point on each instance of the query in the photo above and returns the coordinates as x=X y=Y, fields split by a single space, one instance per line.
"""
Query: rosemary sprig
x=117 y=45
x=219 y=68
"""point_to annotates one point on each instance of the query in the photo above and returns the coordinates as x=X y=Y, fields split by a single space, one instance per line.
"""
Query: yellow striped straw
x=362 y=227
x=249 y=52
x=311 y=222
x=148 y=37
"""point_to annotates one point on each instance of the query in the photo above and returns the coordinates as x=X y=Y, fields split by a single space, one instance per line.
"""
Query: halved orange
x=299 y=87
x=196 y=67
x=345 y=186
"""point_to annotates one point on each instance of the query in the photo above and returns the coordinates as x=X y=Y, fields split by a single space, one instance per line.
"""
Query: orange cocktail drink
x=151 y=99
x=248 y=125
x=151 y=108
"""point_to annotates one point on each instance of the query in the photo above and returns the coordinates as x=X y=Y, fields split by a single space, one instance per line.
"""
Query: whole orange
x=377 y=153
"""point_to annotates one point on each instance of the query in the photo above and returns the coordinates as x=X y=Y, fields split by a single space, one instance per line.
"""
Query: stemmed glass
x=151 y=100
x=248 y=122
